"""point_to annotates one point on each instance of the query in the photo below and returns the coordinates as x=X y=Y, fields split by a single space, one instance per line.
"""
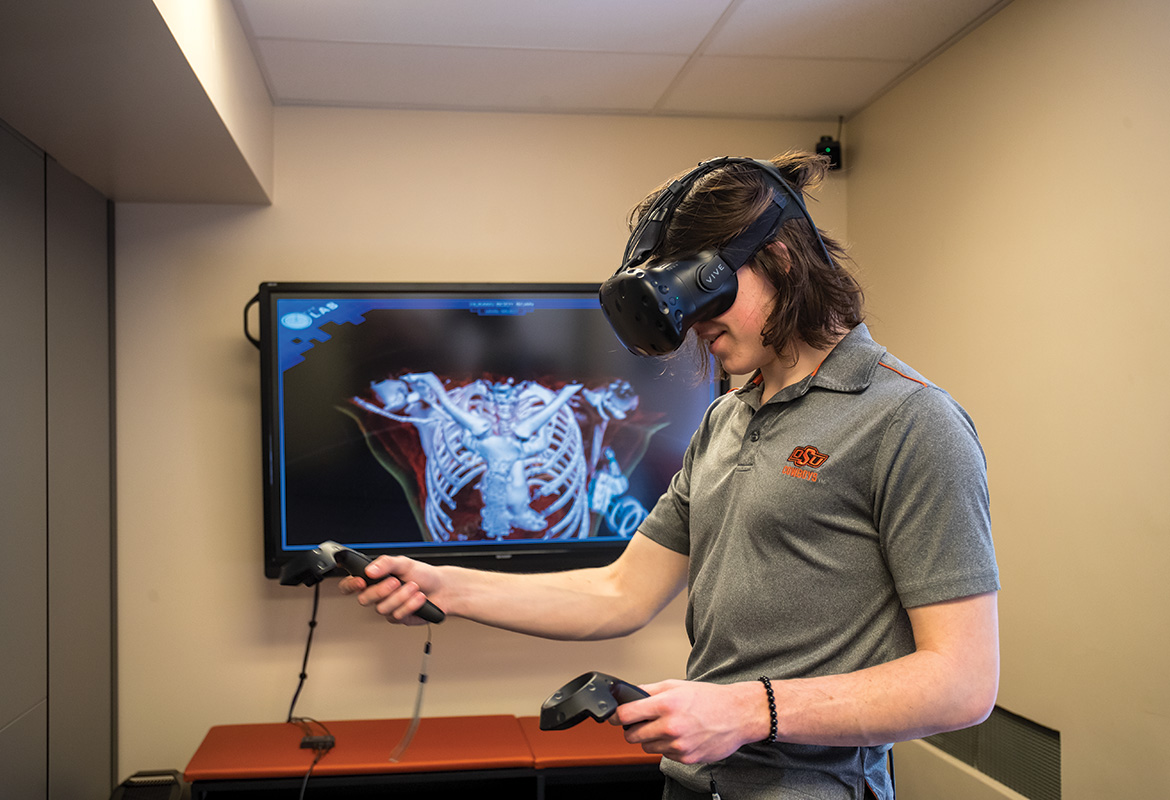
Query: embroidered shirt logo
x=808 y=456
x=804 y=460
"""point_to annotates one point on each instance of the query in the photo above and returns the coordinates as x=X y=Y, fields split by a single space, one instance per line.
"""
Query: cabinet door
x=78 y=443
x=23 y=463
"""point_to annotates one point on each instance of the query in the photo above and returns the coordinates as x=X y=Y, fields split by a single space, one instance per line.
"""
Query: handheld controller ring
x=593 y=694
x=312 y=567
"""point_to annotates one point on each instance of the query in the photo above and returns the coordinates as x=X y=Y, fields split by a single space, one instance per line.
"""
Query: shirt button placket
x=747 y=450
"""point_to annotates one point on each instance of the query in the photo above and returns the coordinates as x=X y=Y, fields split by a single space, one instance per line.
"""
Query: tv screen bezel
x=550 y=555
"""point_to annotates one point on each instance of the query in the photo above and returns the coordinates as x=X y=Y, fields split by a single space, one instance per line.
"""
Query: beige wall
x=204 y=639
x=1009 y=205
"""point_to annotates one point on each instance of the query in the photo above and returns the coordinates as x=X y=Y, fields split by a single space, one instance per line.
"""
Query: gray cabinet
x=23 y=460
x=56 y=592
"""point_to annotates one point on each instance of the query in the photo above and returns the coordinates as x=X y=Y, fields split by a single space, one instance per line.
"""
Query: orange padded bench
x=479 y=754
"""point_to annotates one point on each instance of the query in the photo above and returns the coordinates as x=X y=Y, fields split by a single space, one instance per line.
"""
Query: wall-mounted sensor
x=828 y=146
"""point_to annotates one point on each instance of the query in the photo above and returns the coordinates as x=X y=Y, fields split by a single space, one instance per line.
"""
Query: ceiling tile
x=647 y=26
x=464 y=77
x=779 y=87
x=886 y=29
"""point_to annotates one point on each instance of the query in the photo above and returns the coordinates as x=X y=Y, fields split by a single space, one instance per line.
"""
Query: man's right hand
x=398 y=596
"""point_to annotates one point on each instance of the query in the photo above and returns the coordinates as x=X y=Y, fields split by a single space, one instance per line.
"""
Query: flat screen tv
x=496 y=426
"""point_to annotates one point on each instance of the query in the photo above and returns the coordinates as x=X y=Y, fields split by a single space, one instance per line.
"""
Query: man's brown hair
x=816 y=299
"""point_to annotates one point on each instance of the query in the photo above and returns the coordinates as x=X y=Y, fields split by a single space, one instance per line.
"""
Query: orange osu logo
x=808 y=456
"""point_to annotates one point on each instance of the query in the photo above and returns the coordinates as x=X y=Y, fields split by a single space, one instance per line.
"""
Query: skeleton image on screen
x=496 y=458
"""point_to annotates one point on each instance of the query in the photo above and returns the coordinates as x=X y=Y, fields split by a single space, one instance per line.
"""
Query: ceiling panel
x=648 y=26
x=463 y=77
x=783 y=59
x=772 y=88
x=896 y=30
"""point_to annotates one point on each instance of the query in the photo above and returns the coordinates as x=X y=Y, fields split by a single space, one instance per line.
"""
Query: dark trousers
x=673 y=790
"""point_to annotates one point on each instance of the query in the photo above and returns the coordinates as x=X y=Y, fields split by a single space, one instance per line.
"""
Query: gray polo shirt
x=813 y=521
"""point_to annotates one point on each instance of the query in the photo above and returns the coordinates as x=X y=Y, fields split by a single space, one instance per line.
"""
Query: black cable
x=306 y=725
x=321 y=751
x=308 y=645
x=248 y=334
x=322 y=743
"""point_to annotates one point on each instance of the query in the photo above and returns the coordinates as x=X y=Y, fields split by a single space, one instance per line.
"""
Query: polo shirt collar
x=849 y=367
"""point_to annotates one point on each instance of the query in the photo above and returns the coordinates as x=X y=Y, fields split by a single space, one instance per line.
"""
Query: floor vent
x=1015 y=751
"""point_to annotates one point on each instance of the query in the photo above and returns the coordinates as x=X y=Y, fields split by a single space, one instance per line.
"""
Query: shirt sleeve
x=669 y=521
x=932 y=508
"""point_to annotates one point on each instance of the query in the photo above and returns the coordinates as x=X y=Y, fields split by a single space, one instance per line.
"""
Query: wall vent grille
x=1015 y=751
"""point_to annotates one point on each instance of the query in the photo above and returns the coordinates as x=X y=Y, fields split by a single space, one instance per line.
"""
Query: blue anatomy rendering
x=520 y=445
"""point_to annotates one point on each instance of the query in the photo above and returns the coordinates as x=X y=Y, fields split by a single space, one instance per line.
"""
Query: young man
x=830 y=524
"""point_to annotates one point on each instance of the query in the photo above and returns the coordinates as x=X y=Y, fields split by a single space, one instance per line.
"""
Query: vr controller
x=593 y=694
x=329 y=557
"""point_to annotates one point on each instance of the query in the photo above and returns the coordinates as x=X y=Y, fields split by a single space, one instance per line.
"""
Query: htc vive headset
x=651 y=305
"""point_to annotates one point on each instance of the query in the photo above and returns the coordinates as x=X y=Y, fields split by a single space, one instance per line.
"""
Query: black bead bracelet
x=771 y=709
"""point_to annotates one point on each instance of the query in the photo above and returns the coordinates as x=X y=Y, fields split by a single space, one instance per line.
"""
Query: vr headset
x=651 y=306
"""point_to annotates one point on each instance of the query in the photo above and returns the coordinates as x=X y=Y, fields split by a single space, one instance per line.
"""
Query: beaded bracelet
x=771 y=708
